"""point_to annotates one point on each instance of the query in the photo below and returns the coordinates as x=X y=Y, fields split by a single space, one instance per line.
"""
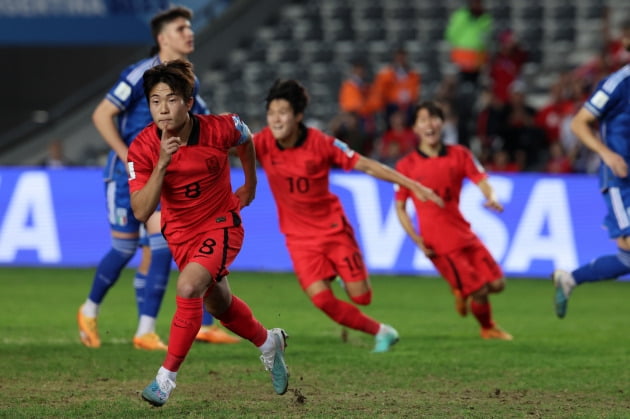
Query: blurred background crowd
x=509 y=74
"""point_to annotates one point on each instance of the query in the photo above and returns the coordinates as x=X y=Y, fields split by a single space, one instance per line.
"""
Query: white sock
x=145 y=325
x=163 y=372
x=268 y=345
x=383 y=328
x=90 y=308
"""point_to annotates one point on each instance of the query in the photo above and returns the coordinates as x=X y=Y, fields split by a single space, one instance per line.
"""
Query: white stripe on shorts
x=618 y=208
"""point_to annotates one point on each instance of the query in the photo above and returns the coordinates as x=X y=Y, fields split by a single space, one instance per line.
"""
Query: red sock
x=184 y=327
x=344 y=313
x=239 y=319
x=483 y=313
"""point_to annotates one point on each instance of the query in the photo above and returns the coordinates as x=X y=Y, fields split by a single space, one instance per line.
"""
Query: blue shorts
x=119 y=212
x=617 y=221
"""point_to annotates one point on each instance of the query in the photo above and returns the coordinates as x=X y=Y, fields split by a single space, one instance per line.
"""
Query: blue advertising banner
x=90 y=22
x=58 y=218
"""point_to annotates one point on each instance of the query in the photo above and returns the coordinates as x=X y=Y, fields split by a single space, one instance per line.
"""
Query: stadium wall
x=58 y=218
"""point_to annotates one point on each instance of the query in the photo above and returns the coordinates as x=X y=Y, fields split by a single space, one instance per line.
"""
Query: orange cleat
x=149 y=342
x=88 y=332
x=495 y=333
x=461 y=303
x=213 y=334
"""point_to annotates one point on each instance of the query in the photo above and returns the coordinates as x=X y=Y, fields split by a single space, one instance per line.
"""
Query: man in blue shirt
x=609 y=105
x=119 y=117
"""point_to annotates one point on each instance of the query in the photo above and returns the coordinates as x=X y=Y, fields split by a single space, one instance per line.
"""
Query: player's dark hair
x=291 y=91
x=432 y=107
x=162 y=19
x=177 y=74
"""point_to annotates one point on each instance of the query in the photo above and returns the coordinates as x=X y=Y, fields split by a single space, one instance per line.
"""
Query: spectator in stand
x=468 y=32
x=55 y=157
x=502 y=162
x=397 y=87
x=558 y=160
x=506 y=65
x=396 y=141
x=521 y=135
x=550 y=116
x=355 y=97
x=347 y=127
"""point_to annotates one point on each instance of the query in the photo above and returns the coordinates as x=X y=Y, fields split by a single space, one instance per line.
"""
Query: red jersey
x=197 y=192
x=298 y=179
x=442 y=229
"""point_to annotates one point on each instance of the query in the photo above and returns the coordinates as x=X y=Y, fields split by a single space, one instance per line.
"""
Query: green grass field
x=575 y=367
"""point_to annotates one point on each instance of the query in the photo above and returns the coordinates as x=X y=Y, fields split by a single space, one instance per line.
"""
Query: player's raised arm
x=383 y=172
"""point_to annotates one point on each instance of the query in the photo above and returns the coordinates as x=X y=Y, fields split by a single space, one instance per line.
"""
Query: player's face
x=428 y=127
x=169 y=110
x=282 y=121
x=177 y=37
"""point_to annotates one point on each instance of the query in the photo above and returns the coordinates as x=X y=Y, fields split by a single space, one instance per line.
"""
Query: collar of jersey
x=301 y=137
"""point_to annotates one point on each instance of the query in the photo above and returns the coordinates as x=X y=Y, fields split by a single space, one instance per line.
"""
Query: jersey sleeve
x=604 y=97
x=127 y=90
x=342 y=155
x=227 y=131
x=139 y=163
x=472 y=167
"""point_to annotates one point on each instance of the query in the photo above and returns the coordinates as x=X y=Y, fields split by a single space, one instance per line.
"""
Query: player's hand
x=245 y=194
x=168 y=146
x=493 y=204
x=428 y=252
x=423 y=193
x=616 y=163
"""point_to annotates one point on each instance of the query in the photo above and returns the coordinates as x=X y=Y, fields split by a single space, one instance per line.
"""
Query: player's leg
x=444 y=266
x=124 y=230
x=604 y=267
x=140 y=280
x=482 y=265
x=156 y=283
x=196 y=288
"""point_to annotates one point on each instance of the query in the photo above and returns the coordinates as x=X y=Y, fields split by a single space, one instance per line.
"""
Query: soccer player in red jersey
x=445 y=236
x=320 y=240
x=181 y=160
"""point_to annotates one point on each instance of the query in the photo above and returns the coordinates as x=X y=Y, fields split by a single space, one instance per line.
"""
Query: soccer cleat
x=88 y=332
x=461 y=303
x=495 y=333
x=273 y=361
x=149 y=342
x=563 y=282
x=385 y=340
x=214 y=334
x=158 y=392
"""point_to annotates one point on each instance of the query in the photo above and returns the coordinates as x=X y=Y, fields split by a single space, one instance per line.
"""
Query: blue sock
x=208 y=320
x=139 y=285
x=108 y=270
x=157 y=277
x=604 y=267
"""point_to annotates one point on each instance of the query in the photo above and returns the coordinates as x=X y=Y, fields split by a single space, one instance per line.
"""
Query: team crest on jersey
x=212 y=163
x=343 y=147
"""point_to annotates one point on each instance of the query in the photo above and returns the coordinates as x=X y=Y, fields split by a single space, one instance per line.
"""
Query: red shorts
x=215 y=250
x=469 y=268
x=325 y=257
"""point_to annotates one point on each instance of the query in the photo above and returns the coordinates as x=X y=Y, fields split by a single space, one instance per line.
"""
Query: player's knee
x=324 y=300
x=363 y=299
x=496 y=286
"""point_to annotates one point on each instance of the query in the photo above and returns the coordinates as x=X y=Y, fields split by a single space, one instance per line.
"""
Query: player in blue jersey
x=119 y=117
x=609 y=106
